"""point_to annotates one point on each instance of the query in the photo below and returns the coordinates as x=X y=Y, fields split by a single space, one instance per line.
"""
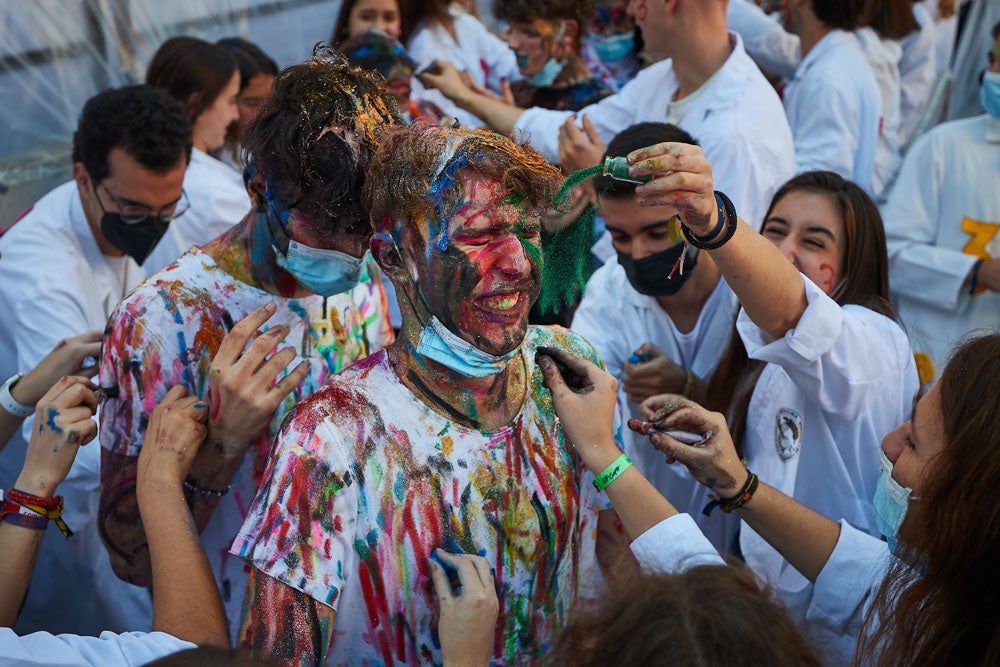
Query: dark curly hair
x=314 y=136
x=192 y=70
x=145 y=122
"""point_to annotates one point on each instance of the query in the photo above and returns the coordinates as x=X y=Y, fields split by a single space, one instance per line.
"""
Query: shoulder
x=347 y=397
x=559 y=338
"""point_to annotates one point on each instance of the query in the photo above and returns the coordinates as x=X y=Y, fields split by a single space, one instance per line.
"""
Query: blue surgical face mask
x=546 y=76
x=457 y=354
x=891 y=502
x=989 y=93
x=612 y=48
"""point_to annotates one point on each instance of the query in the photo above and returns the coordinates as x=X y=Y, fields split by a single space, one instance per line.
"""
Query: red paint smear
x=828 y=282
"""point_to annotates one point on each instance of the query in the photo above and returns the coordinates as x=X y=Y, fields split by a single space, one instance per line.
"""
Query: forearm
x=496 y=113
x=803 y=537
x=8 y=427
x=770 y=289
x=213 y=469
x=186 y=602
x=637 y=502
x=20 y=547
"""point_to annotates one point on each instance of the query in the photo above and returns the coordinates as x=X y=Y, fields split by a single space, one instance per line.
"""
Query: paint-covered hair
x=378 y=51
x=314 y=136
x=148 y=124
x=192 y=70
x=416 y=172
x=634 y=137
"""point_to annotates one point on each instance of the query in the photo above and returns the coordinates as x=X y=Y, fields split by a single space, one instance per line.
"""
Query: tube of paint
x=688 y=438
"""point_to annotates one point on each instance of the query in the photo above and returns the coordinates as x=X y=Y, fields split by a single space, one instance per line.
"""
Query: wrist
x=9 y=399
x=739 y=478
x=599 y=456
x=37 y=484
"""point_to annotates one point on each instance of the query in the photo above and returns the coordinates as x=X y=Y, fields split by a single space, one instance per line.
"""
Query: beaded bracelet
x=612 y=472
x=741 y=498
x=190 y=485
x=727 y=216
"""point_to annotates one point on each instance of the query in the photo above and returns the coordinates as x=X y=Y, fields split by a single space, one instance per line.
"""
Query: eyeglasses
x=133 y=213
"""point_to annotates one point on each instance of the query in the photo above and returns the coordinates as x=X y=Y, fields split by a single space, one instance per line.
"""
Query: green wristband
x=612 y=472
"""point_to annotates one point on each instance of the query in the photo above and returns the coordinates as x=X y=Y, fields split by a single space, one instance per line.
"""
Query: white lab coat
x=130 y=649
x=832 y=388
x=674 y=545
x=945 y=32
x=834 y=110
x=616 y=319
x=54 y=284
x=969 y=60
x=474 y=49
x=884 y=57
x=737 y=120
x=943 y=214
x=918 y=72
x=766 y=40
x=218 y=201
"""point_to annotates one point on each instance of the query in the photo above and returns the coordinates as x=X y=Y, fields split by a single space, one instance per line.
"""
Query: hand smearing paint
x=714 y=462
x=68 y=357
x=175 y=432
x=468 y=615
x=63 y=422
x=682 y=178
x=242 y=393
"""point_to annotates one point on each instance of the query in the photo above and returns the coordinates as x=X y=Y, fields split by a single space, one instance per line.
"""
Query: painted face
x=612 y=19
x=913 y=447
x=400 y=89
x=809 y=230
x=211 y=124
x=382 y=15
x=480 y=273
x=533 y=42
x=252 y=97
x=637 y=231
x=129 y=189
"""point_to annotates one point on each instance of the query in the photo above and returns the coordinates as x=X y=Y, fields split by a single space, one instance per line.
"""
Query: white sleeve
x=835 y=355
x=826 y=134
x=846 y=583
x=769 y=44
x=675 y=544
x=611 y=115
x=919 y=269
x=595 y=321
x=109 y=650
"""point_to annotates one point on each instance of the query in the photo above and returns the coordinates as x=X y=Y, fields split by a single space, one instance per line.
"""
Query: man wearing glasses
x=64 y=266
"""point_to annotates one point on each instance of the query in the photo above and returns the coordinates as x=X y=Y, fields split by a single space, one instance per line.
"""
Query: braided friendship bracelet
x=741 y=498
x=727 y=217
x=43 y=509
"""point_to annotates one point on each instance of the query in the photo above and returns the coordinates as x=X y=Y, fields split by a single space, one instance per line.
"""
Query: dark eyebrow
x=819 y=229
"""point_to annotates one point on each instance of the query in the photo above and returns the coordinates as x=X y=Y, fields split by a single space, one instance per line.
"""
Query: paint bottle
x=617 y=168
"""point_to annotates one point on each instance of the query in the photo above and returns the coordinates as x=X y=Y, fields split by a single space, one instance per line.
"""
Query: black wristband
x=727 y=217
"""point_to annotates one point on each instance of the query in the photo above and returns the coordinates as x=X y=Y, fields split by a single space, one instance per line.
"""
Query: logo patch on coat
x=787 y=433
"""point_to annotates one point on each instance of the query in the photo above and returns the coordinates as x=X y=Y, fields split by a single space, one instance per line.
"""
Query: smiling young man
x=294 y=265
x=65 y=265
x=656 y=334
x=445 y=439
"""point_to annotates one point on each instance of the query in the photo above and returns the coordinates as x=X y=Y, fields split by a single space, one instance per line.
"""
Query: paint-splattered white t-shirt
x=367 y=480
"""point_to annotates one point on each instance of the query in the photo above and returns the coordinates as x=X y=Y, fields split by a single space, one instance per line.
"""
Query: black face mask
x=649 y=275
x=136 y=241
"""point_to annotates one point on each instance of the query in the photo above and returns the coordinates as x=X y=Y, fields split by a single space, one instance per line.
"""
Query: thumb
x=553 y=378
x=506 y=92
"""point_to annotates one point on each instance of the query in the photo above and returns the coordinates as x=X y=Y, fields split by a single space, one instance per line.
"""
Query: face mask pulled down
x=891 y=502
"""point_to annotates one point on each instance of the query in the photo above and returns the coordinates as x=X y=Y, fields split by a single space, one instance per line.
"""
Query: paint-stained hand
x=175 y=432
x=682 y=178
x=242 y=392
x=447 y=78
x=468 y=617
x=66 y=358
x=584 y=397
x=652 y=372
x=63 y=422
x=714 y=462
x=579 y=149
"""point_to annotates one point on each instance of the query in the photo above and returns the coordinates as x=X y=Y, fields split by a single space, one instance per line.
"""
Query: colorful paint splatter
x=366 y=481
x=167 y=331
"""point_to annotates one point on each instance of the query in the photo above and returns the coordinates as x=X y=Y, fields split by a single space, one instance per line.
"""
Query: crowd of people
x=310 y=317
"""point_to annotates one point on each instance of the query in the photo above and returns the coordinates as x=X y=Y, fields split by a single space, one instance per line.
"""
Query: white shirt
x=834 y=110
x=945 y=30
x=884 y=56
x=218 y=201
x=42 y=649
x=833 y=386
x=766 y=40
x=674 y=545
x=54 y=284
x=738 y=122
x=616 y=319
x=944 y=214
x=918 y=72
x=474 y=49
x=969 y=60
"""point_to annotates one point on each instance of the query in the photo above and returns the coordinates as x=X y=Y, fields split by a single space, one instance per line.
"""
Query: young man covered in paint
x=445 y=439
x=657 y=334
x=66 y=263
x=293 y=263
